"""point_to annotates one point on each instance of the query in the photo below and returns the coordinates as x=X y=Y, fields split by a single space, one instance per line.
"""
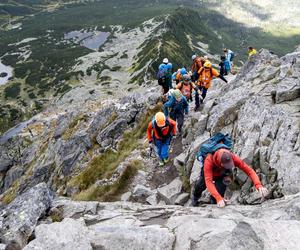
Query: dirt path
x=166 y=174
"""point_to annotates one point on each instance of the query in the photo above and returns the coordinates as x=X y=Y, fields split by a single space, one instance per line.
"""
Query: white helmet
x=165 y=60
x=194 y=57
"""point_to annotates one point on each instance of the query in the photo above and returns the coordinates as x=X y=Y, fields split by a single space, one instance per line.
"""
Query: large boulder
x=170 y=192
x=68 y=235
x=21 y=216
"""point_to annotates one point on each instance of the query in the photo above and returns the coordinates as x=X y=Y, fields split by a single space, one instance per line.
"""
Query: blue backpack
x=232 y=55
x=161 y=74
x=214 y=143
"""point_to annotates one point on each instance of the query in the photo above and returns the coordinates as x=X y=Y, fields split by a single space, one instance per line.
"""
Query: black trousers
x=179 y=118
x=197 y=99
x=200 y=186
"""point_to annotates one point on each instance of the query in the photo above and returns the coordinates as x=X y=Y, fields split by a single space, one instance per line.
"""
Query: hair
x=223 y=57
x=251 y=48
x=225 y=49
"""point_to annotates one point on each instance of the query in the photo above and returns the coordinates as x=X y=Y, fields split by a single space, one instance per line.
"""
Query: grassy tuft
x=111 y=192
x=11 y=193
x=104 y=165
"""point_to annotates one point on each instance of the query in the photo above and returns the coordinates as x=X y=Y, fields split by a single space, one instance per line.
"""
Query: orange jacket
x=205 y=77
x=213 y=168
x=152 y=131
x=197 y=64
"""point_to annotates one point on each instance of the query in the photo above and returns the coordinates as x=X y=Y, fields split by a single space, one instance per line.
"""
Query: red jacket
x=213 y=168
x=165 y=130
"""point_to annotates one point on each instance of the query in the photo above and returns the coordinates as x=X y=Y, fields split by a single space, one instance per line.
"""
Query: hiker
x=159 y=133
x=229 y=55
x=206 y=74
x=164 y=75
x=179 y=75
x=177 y=106
x=251 y=51
x=175 y=74
x=216 y=173
x=186 y=87
x=224 y=66
x=197 y=64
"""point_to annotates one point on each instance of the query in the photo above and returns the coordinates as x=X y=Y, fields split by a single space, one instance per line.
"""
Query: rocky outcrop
x=19 y=219
x=135 y=226
x=259 y=109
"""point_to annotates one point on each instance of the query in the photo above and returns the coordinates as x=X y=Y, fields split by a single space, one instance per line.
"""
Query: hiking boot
x=166 y=160
x=161 y=163
x=195 y=202
x=196 y=109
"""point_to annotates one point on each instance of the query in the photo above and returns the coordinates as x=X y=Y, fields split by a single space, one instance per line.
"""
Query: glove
x=263 y=191
x=221 y=203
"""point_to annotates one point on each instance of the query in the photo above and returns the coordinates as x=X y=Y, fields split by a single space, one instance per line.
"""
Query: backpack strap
x=158 y=129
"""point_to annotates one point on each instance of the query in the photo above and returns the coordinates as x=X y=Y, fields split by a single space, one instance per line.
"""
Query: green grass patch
x=11 y=193
x=73 y=126
x=104 y=165
x=111 y=192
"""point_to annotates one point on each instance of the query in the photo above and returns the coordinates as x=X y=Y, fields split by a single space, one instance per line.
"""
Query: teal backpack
x=214 y=143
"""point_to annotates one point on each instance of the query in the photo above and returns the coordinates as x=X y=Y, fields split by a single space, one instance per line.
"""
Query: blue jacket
x=176 y=107
x=227 y=65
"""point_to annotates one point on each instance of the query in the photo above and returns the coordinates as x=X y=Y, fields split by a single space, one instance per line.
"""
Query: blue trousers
x=162 y=147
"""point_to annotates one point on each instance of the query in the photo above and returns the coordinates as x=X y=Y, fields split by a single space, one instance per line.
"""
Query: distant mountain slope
x=45 y=63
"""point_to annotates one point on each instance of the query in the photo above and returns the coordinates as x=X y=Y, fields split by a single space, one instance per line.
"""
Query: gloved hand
x=221 y=203
x=263 y=191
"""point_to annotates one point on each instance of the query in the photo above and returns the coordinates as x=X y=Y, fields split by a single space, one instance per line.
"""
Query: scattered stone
x=126 y=196
x=67 y=235
x=23 y=213
x=169 y=193
x=182 y=199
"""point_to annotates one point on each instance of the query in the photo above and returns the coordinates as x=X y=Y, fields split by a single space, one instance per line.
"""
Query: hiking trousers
x=197 y=99
x=179 y=118
x=195 y=76
x=162 y=147
x=200 y=186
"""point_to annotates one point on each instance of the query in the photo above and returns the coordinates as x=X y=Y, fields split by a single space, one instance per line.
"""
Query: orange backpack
x=186 y=90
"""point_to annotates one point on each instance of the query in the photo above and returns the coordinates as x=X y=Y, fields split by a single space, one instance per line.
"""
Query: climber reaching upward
x=218 y=164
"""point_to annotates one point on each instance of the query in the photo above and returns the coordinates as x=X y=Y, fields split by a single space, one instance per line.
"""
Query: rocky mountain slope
x=95 y=150
x=51 y=47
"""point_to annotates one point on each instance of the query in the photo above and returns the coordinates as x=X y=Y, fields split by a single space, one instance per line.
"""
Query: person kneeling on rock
x=160 y=132
x=216 y=173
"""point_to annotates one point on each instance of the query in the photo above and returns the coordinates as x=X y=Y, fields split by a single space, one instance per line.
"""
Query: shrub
x=12 y=91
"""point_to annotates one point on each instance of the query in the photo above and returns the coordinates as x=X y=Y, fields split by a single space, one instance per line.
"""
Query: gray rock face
x=111 y=133
x=69 y=234
x=141 y=193
x=287 y=90
x=169 y=193
x=21 y=216
x=123 y=225
x=5 y=164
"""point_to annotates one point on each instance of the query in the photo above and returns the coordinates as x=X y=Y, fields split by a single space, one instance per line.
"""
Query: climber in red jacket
x=216 y=174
